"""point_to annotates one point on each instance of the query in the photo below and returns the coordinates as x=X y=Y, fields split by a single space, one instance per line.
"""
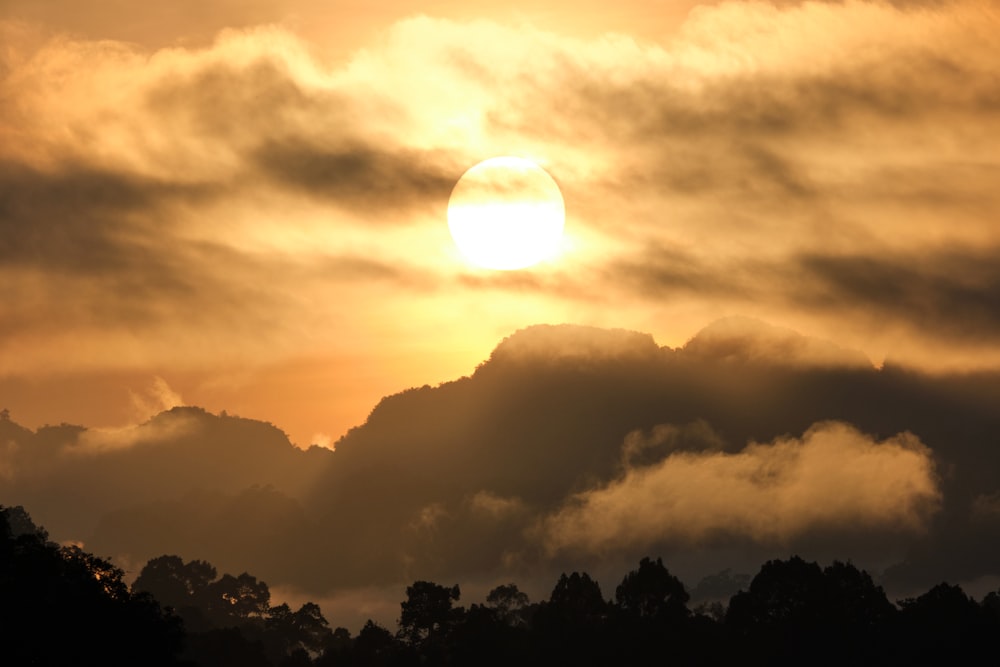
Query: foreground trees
x=231 y=616
x=794 y=609
x=63 y=606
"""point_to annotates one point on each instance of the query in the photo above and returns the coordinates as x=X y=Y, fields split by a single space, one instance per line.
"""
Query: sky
x=242 y=206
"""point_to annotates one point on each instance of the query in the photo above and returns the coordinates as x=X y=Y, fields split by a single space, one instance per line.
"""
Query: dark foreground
x=61 y=606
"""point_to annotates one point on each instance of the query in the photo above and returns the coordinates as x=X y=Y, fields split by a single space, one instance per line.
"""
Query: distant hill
x=561 y=424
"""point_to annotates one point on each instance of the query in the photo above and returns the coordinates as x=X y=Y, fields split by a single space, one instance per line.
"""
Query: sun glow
x=506 y=213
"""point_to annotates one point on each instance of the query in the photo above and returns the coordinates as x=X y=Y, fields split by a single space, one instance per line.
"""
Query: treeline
x=61 y=606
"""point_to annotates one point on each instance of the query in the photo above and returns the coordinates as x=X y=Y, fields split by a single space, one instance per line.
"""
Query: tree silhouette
x=427 y=610
x=508 y=604
x=652 y=592
x=19 y=523
x=571 y=627
x=579 y=597
x=652 y=618
x=305 y=629
x=338 y=649
x=62 y=606
x=225 y=647
x=176 y=584
x=945 y=626
x=233 y=600
x=795 y=612
x=374 y=647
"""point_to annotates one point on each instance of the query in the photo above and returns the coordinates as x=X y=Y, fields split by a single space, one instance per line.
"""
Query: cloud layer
x=830 y=478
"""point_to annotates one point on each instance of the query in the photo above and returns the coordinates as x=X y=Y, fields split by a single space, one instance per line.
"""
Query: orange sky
x=241 y=205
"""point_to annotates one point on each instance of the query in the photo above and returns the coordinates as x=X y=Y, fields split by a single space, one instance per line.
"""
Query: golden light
x=506 y=213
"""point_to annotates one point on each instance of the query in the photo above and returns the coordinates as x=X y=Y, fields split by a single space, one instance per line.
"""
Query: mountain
x=569 y=447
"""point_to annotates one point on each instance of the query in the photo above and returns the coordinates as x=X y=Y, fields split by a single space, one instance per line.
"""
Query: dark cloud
x=186 y=21
x=760 y=130
x=111 y=253
x=661 y=271
x=302 y=137
x=236 y=105
x=947 y=293
x=103 y=241
x=83 y=219
x=376 y=182
x=944 y=293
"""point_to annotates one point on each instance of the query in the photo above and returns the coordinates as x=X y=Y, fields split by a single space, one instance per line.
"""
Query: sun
x=506 y=213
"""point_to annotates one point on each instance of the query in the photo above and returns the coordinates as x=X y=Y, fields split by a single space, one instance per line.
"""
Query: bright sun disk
x=506 y=213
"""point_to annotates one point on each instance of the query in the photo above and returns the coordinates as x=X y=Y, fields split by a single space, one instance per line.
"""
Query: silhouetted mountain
x=181 y=464
x=549 y=415
x=569 y=445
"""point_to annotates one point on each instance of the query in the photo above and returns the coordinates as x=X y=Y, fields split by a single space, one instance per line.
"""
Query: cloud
x=640 y=449
x=494 y=506
x=81 y=219
x=323 y=440
x=939 y=298
x=745 y=340
x=948 y=292
x=362 y=177
x=986 y=506
x=95 y=441
x=571 y=343
x=833 y=477
x=159 y=397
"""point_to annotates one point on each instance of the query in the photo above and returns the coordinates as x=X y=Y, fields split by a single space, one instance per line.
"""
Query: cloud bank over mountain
x=569 y=447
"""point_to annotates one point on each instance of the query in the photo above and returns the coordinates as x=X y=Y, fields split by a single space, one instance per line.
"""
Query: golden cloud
x=833 y=477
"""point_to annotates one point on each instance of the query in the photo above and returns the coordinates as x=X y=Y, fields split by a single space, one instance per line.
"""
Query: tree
x=652 y=592
x=578 y=596
x=853 y=601
x=945 y=626
x=233 y=600
x=508 y=603
x=223 y=647
x=174 y=583
x=571 y=628
x=375 y=646
x=797 y=613
x=16 y=523
x=338 y=649
x=65 y=606
x=304 y=629
x=427 y=610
